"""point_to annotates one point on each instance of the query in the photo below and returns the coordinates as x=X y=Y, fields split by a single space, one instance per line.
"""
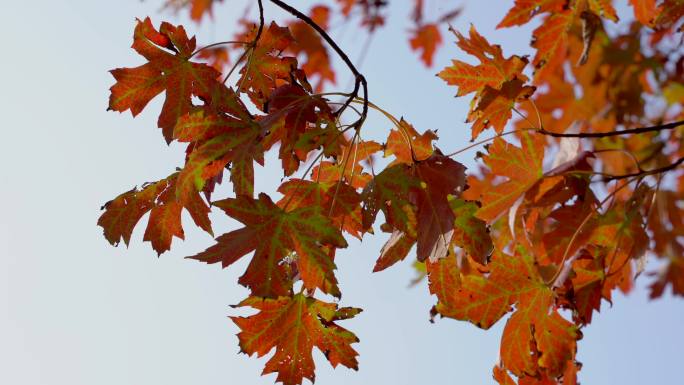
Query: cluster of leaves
x=546 y=230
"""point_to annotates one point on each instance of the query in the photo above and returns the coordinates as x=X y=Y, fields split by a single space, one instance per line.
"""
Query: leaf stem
x=215 y=45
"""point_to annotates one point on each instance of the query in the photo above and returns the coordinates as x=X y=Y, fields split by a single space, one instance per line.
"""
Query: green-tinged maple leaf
x=301 y=123
x=202 y=125
x=470 y=233
x=444 y=277
x=536 y=338
x=389 y=192
x=426 y=39
x=348 y=166
x=210 y=157
x=493 y=71
x=493 y=107
x=521 y=165
x=267 y=68
x=294 y=326
x=415 y=201
x=305 y=235
x=169 y=69
x=125 y=211
x=524 y=10
x=340 y=202
x=407 y=145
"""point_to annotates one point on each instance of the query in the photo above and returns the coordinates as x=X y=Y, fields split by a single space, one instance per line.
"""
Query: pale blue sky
x=76 y=311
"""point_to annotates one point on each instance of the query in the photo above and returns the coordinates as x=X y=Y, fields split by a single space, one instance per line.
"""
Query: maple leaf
x=389 y=192
x=493 y=71
x=441 y=178
x=267 y=69
x=572 y=230
x=217 y=57
x=394 y=250
x=645 y=11
x=338 y=200
x=294 y=326
x=229 y=140
x=274 y=234
x=348 y=165
x=604 y=8
x=212 y=156
x=198 y=8
x=309 y=43
x=535 y=337
x=470 y=232
x=671 y=274
x=587 y=284
x=551 y=41
x=407 y=145
x=444 y=277
x=346 y=6
x=169 y=69
x=493 y=107
x=670 y=11
x=521 y=165
x=221 y=133
x=415 y=201
x=426 y=38
x=301 y=123
x=123 y=213
x=621 y=231
x=524 y=10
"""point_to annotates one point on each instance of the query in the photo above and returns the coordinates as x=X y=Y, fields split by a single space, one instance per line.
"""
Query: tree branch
x=654 y=171
x=359 y=79
x=640 y=130
x=251 y=47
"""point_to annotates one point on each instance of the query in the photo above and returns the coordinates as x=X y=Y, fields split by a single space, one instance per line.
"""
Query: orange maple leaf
x=276 y=236
x=426 y=38
x=493 y=71
x=169 y=69
x=536 y=337
x=521 y=165
x=294 y=326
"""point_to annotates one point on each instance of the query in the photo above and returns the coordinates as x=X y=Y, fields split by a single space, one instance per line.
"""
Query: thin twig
x=215 y=45
x=252 y=47
x=360 y=80
x=639 y=130
x=644 y=173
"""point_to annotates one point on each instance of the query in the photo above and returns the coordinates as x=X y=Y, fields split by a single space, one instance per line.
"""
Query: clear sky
x=76 y=311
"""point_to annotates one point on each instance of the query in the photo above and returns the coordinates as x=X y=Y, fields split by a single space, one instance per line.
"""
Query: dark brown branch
x=640 y=130
x=252 y=44
x=261 y=23
x=359 y=79
x=654 y=171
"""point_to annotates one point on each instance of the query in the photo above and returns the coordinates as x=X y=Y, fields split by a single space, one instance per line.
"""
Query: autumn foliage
x=580 y=178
